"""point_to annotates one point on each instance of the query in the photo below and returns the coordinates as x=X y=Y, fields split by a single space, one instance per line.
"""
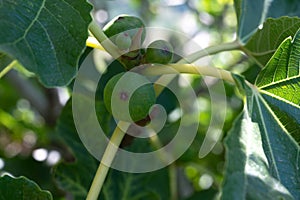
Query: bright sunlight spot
x=174 y=115
x=2 y=164
x=188 y=23
x=203 y=38
x=63 y=95
x=101 y=16
x=40 y=154
x=53 y=157
x=174 y=2
x=205 y=181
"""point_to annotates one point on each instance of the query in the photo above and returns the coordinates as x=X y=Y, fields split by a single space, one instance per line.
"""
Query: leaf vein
x=35 y=19
x=266 y=134
x=280 y=98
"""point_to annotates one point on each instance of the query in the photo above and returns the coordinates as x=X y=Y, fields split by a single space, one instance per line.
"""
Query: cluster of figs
x=128 y=34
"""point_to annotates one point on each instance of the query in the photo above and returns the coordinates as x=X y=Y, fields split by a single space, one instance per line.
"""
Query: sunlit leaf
x=247 y=174
x=279 y=83
x=46 y=37
x=253 y=13
x=262 y=155
x=263 y=44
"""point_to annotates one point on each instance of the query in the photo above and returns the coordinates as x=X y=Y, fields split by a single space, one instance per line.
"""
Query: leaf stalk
x=8 y=68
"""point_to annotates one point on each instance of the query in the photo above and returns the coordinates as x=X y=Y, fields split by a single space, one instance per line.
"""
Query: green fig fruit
x=125 y=23
x=123 y=41
x=129 y=96
x=135 y=29
x=159 y=51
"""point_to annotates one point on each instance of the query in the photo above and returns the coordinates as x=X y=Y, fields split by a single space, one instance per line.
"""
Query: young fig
x=118 y=29
x=125 y=24
x=159 y=51
x=129 y=92
x=123 y=41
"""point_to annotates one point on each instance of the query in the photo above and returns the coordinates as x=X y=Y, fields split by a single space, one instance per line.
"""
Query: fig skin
x=123 y=41
x=124 y=23
x=135 y=28
x=138 y=101
x=159 y=51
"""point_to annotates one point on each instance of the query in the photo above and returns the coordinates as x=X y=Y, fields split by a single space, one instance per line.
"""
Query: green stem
x=106 y=43
x=196 y=56
x=173 y=181
x=107 y=158
x=235 y=45
x=118 y=134
x=155 y=70
x=172 y=168
x=8 y=68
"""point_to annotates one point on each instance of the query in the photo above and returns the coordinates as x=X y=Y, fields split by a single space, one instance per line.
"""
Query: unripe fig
x=159 y=51
x=130 y=94
x=135 y=28
x=125 y=23
x=123 y=41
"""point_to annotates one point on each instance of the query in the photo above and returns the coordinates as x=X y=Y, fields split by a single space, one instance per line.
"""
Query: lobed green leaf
x=253 y=13
x=263 y=44
x=279 y=84
x=262 y=155
x=46 y=37
x=74 y=177
x=247 y=173
x=21 y=188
